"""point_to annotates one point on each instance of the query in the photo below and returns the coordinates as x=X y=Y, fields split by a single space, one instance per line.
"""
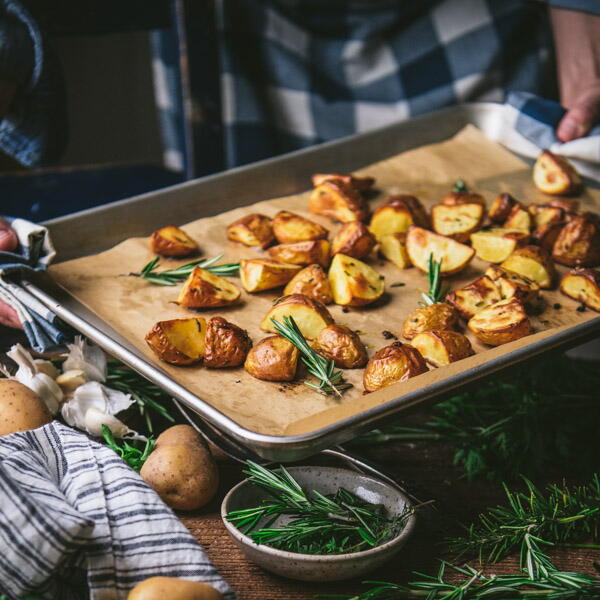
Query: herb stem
x=174 y=276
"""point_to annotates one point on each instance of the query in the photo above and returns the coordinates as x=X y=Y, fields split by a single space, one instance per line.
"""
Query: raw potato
x=534 y=263
x=397 y=214
x=583 y=285
x=313 y=282
x=353 y=239
x=203 y=289
x=555 y=175
x=290 y=228
x=362 y=184
x=501 y=208
x=519 y=219
x=341 y=345
x=302 y=253
x=171 y=588
x=458 y=221
x=474 y=297
x=309 y=314
x=393 y=247
x=394 y=363
x=435 y=316
x=578 y=243
x=501 y=323
x=252 y=230
x=442 y=347
x=497 y=244
x=458 y=198
x=259 y=274
x=178 y=341
x=21 y=409
x=273 y=359
x=181 y=469
x=339 y=201
x=421 y=243
x=172 y=241
x=513 y=285
x=354 y=283
x=226 y=344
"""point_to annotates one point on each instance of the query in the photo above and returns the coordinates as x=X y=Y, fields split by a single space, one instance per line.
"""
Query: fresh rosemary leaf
x=460 y=185
x=135 y=457
x=436 y=293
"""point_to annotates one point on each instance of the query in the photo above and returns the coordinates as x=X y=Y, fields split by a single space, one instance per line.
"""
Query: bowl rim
x=402 y=535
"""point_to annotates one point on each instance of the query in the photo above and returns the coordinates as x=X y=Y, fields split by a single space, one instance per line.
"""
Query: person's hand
x=583 y=114
x=8 y=243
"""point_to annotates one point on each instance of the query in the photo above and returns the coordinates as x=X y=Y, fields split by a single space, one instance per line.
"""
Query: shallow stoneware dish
x=314 y=567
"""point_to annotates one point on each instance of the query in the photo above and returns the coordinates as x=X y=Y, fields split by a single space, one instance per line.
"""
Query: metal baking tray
x=100 y=228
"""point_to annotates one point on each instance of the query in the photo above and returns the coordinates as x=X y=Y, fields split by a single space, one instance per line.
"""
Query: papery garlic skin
x=87 y=358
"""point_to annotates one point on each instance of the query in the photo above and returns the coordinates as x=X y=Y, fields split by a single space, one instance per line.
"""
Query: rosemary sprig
x=330 y=380
x=436 y=293
x=134 y=457
x=460 y=185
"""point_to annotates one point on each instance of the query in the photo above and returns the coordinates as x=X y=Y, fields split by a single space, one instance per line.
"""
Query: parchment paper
x=132 y=306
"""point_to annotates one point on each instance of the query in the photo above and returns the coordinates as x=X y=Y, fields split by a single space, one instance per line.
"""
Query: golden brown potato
x=341 y=345
x=513 y=285
x=393 y=247
x=569 y=205
x=519 y=219
x=21 y=409
x=259 y=274
x=172 y=241
x=534 y=263
x=545 y=214
x=397 y=214
x=203 y=289
x=178 y=341
x=582 y=285
x=313 y=282
x=501 y=208
x=353 y=239
x=501 y=323
x=290 y=228
x=226 y=344
x=310 y=315
x=273 y=359
x=497 y=244
x=252 y=230
x=555 y=175
x=394 y=363
x=578 y=244
x=457 y=221
x=474 y=297
x=354 y=283
x=302 y=253
x=362 y=184
x=442 y=347
x=339 y=201
x=161 y=588
x=456 y=198
x=421 y=244
x=434 y=316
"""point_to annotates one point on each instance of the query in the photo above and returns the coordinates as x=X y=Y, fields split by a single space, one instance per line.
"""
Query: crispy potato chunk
x=501 y=323
x=178 y=341
x=547 y=224
x=272 y=359
x=497 y=244
x=353 y=239
x=362 y=184
x=341 y=345
x=397 y=214
x=582 y=285
x=457 y=198
x=519 y=218
x=513 y=285
x=457 y=221
x=474 y=297
x=421 y=243
x=172 y=241
x=302 y=253
x=394 y=363
x=313 y=282
x=435 y=316
x=252 y=230
x=354 y=283
x=310 y=315
x=555 y=175
x=339 y=201
x=259 y=274
x=393 y=247
x=534 y=263
x=442 y=347
x=569 y=205
x=501 y=208
x=290 y=228
x=203 y=289
x=578 y=244
x=226 y=344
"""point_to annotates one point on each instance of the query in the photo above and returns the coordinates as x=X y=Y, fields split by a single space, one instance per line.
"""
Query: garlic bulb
x=87 y=358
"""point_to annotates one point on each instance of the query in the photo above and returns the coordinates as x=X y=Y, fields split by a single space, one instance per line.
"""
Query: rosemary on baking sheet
x=436 y=293
x=460 y=185
x=135 y=457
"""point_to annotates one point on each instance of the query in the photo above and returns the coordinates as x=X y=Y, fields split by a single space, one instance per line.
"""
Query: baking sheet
x=132 y=306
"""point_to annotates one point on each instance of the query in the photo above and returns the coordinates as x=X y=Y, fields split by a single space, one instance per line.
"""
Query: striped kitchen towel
x=77 y=522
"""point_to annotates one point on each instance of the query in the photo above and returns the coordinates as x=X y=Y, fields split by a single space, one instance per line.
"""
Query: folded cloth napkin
x=74 y=516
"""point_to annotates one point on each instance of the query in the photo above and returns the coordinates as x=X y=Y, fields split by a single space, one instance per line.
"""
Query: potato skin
x=582 y=285
x=171 y=588
x=555 y=175
x=501 y=323
x=312 y=281
x=426 y=318
x=474 y=297
x=226 y=344
x=501 y=208
x=21 y=409
x=513 y=285
x=353 y=239
x=252 y=230
x=341 y=345
x=362 y=184
x=290 y=228
x=273 y=359
x=259 y=274
x=393 y=363
x=158 y=340
x=519 y=219
x=397 y=214
x=339 y=201
x=172 y=241
x=302 y=253
x=458 y=198
x=578 y=243
x=442 y=347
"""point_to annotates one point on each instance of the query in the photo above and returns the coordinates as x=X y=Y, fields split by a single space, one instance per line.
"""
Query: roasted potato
x=393 y=247
x=178 y=341
x=339 y=201
x=434 y=316
x=569 y=205
x=353 y=239
x=500 y=323
x=534 y=263
x=474 y=297
x=497 y=244
x=309 y=314
x=252 y=230
x=354 y=283
x=456 y=198
x=545 y=214
x=397 y=214
x=203 y=289
x=226 y=344
x=442 y=347
x=457 y=221
x=290 y=228
x=555 y=175
x=258 y=274
x=313 y=282
x=302 y=253
x=501 y=208
x=394 y=363
x=362 y=184
x=513 y=285
x=21 y=409
x=519 y=218
x=421 y=244
x=160 y=588
x=341 y=345
x=583 y=285
x=272 y=359
x=172 y=241
x=578 y=243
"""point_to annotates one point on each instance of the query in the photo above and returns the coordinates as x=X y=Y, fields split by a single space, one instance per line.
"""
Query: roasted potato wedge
x=172 y=241
x=203 y=289
x=339 y=201
x=354 y=283
x=513 y=285
x=497 y=244
x=313 y=282
x=442 y=347
x=394 y=363
x=555 y=175
x=545 y=214
x=421 y=243
x=397 y=214
x=178 y=341
x=302 y=253
x=474 y=297
x=457 y=221
x=353 y=239
x=310 y=315
x=393 y=247
x=290 y=228
x=519 y=218
x=258 y=274
x=362 y=184
x=534 y=263
x=501 y=208
x=252 y=230
x=272 y=359
x=578 y=243
x=435 y=316
x=582 y=285
x=500 y=323
x=569 y=205
x=226 y=344
x=341 y=345
x=456 y=198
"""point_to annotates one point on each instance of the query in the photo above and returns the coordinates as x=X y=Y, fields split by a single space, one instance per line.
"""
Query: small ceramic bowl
x=311 y=567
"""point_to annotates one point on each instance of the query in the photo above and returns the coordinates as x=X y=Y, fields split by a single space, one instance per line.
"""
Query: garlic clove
x=70 y=380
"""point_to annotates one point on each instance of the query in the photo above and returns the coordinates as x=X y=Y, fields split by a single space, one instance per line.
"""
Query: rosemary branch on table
x=135 y=457
x=436 y=293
